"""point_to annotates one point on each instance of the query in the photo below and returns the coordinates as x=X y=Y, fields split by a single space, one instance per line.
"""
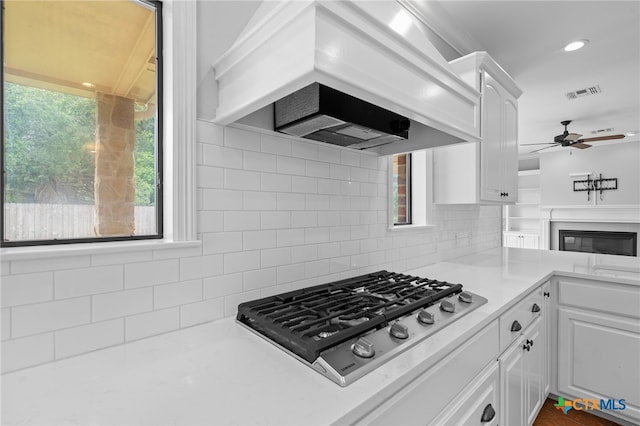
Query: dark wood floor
x=550 y=416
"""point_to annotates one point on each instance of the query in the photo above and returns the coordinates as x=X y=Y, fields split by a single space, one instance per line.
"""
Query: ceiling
x=527 y=38
x=80 y=47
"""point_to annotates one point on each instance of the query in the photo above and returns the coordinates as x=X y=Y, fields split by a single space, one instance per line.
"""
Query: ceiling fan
x=572 y=139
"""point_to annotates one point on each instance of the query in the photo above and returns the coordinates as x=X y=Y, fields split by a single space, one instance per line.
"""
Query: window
x=82 y=123
x=410 y=189
x=401 y=178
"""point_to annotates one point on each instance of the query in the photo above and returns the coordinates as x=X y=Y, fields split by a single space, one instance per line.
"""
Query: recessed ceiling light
x=632 y=133
x=87 y=84
x=575 y=45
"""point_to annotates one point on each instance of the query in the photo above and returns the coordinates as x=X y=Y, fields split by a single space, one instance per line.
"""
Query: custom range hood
x=351 y=73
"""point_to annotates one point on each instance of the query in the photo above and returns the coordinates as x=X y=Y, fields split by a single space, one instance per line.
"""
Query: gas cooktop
x=346 y=328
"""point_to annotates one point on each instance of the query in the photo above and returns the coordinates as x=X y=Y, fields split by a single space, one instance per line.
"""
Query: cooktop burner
x=317 y=322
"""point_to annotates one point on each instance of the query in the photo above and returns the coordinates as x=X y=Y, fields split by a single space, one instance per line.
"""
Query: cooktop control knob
x=425 y=317
x=363 y=348
x=399 y=331
x=448 y=306
x=465 y=297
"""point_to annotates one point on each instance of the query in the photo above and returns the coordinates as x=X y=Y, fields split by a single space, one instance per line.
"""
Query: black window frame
x=409 y=192
x=159 y=145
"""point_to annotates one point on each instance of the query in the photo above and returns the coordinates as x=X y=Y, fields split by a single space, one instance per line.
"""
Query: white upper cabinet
x=486 y=171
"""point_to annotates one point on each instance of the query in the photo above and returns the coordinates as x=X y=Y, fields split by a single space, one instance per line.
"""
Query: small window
x=401 y=178
x=81 y=123
x=410 y=189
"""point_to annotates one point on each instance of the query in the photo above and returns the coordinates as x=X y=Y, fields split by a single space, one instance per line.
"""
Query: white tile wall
x=274 y=214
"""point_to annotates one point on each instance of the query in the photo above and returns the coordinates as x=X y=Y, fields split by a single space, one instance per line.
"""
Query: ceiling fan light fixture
x=575 y=45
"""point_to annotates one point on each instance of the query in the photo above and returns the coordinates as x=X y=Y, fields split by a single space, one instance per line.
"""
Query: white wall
x=274 y=214
x=620 y=161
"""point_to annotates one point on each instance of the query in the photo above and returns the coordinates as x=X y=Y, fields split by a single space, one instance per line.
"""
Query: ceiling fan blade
x=601 y=138
x=580 y=145
x=572 y=137
x=544 y=143
x=538 y=150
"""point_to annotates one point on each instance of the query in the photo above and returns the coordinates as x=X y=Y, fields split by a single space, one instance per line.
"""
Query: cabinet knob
x=516 y=326
x=546 y=294
x=487 y=414
x=526 y=347
x=535 y=308
x=529 y=342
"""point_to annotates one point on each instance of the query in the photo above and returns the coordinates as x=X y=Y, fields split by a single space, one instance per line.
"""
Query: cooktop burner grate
x=311 y=320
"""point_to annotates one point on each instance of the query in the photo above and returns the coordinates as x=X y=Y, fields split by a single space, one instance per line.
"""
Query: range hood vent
x=324 y=114
x=369 y=53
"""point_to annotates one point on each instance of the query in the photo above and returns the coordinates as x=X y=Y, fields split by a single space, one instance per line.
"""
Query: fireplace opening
x=604 y=242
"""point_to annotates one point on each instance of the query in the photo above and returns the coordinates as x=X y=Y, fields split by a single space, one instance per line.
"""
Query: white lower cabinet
x=518 y=240
x=599 y=344
x=522 y=376
x=478 y=404
x=432 y=393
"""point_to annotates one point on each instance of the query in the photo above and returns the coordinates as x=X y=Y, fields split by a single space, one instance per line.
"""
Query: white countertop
x=220 y=373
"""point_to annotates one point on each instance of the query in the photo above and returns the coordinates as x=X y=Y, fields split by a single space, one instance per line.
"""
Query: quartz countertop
x=221 y=373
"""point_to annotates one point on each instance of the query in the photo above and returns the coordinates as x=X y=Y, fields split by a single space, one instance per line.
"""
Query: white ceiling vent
x=597 y=132
x=593 y=90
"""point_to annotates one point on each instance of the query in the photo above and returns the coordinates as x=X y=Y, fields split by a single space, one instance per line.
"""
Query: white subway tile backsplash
x=207 y=132
x=276 y=220
x=82 y=282
x=51 y=264
x=168 y=295
x=290 y=201
x=241 y=139
x=316 y=235
x=27 y=351
x=259 y=161
x=275 y=182
x=304 y=253
x=317 y=202
x=329 y=186
x=121 y=303
x=26 y=288
x=219 y=156
x=121 y=258
x=86 y=338
x=48 y=316
x=221 y=242
x=255 y=240
x=350 y=158
x=306 y=150
x=5 y=268
x=275 y=144
x=231 y=302
x=260 y=278
x=290 y=166
x=275 y=257
x=201 y=312
x=223 y=285
x=221 y=199
x=192 y=268
x=241 y=220
x=5 y=321
x=241 y=179
x=304 y=185
x=317 y=169
x=327 y=250
x=210 y=177
x=210 y=221
x=254 y=200
x=304 y=219
x=243 y=261
x=152 y=323
x=329 y=154
x=290 y=237
x=290 y=273
x=151 y=273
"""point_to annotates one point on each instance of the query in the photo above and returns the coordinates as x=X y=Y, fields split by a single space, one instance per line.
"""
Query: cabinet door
x=491 y=164
x=511 y=240
x=534 y=369
x=509 y=151
x=598 y=358
x=546 y=323
x=512 y=395
x=529 y=241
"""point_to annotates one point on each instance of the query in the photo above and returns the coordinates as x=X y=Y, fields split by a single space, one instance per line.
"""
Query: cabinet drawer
x=478 y=404
x=614 y=298
x=421 y=400
x=516 y=319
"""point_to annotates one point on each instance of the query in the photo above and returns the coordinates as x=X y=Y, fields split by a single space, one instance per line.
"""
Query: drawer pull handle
x=535 y=308
x=516 y=326
x=487 y=414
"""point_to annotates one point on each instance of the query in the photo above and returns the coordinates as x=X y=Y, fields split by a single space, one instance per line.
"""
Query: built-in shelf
x=522 y=219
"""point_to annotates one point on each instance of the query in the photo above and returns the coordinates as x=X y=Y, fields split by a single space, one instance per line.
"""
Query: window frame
x=421 y=192
x=408 y=191
x=157 y=7
x=179 y=36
